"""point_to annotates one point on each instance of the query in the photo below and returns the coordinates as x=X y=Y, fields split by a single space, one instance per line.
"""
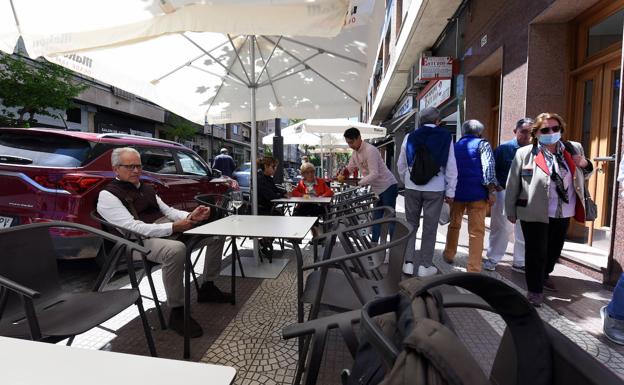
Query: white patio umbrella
x=325 y=133
x=49 y=27
x=214 y=77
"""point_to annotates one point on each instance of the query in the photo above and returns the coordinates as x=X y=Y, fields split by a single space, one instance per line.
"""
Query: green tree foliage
x=177 y=128
x=34 y=87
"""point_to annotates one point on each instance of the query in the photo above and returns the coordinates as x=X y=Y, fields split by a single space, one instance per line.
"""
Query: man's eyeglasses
x=131 y=167
x=546 y=130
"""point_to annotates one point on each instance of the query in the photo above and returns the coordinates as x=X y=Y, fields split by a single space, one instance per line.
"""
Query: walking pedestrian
x=367 y=159
x=426 y=198
x=500 y=227
x=476 y=188
x=224 y=163
x=545 y=188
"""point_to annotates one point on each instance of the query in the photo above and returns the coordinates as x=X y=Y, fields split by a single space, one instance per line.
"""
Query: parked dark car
x=242 y=175
x=50 y=175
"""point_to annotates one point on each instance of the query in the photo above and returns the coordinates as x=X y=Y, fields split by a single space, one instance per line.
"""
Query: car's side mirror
x=216 y=173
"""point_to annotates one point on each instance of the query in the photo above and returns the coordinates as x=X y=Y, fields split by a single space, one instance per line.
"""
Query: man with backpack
x=427 y=167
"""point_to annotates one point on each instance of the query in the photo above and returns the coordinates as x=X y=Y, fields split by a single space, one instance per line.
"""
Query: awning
x=407 y=120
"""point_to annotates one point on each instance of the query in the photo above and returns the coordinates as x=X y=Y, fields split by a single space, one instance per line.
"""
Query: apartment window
x=399 y=16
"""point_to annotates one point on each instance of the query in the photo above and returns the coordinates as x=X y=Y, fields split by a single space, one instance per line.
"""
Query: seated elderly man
x=133 y=205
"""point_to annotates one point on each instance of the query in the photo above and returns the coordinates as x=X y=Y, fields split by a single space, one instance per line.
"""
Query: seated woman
x=311 y=186
x=267 y=191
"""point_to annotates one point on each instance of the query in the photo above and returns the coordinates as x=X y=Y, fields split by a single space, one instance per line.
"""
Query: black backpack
x=406 y=340
x=424 y=167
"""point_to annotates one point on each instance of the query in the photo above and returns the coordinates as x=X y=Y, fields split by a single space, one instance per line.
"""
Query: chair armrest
x=122 y=230
x=386 y=209
x=19 y=289
x=88 y=229
x=326 y=323
x=363 y=253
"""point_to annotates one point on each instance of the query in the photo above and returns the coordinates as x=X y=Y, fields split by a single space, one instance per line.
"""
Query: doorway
x=596 y=101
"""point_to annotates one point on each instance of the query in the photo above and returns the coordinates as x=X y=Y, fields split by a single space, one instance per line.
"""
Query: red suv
x=48 y=174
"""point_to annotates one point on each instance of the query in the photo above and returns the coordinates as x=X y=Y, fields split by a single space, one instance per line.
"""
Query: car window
x=157 y=160
x=191 y=165
x=244 y=167
x=43 y=149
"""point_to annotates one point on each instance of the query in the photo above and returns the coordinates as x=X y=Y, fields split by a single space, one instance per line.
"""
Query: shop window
x=74 y=115
x=605 y=33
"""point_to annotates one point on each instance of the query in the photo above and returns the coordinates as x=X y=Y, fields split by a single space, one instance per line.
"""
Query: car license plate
x=5 y=222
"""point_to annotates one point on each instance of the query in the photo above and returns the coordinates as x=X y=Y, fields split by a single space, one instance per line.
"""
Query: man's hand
x=200 y=214
x=288 y=194
x=511 y=219
x=491 y=198
x=449 y=200
x=183 y=225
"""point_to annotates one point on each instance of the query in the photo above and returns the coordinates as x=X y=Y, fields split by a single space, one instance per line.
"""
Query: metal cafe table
x=292 y=229
x=324 y=201
x=28 y=362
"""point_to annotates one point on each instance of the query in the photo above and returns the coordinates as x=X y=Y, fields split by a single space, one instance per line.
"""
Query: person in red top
x=310 y=186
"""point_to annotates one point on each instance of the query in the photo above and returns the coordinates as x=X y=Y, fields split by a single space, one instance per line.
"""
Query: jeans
x=615 y=309
x=386 y=198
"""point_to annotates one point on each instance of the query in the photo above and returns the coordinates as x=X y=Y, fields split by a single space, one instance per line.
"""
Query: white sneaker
x=427 y=271
x=408 y=268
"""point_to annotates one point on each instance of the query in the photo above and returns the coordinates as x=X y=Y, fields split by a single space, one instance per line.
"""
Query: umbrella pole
x=254 y=144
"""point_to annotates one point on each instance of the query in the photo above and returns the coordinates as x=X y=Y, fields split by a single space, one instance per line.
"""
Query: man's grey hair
x=224 y=150
x=116 y=156
x=472 y=127
x=429 y=115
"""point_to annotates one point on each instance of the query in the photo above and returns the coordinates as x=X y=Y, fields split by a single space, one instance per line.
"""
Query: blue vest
x=470 y=173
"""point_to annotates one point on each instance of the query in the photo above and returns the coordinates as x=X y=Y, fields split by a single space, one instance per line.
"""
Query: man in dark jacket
x=224 y=163
x=128 y=203
x=500 y=227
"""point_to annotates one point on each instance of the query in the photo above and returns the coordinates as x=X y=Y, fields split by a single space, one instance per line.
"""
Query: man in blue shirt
x=500 y=227
x=224 y=163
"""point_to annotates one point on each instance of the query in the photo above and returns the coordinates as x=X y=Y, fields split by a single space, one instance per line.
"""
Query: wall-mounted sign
x=436 y=67
x=405 y=106
x=436 y=95
x=483 y=40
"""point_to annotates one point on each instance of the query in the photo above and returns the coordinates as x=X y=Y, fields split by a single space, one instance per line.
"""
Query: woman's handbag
x=591 y=209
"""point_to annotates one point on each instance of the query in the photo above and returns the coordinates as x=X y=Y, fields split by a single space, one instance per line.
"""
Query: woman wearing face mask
x=545 y=188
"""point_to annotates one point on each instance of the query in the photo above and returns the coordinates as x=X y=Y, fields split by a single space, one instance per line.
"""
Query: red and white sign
x=439 y=93
x=436 y=67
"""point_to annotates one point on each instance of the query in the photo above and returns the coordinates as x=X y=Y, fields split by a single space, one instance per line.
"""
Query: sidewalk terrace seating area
x=249 y=335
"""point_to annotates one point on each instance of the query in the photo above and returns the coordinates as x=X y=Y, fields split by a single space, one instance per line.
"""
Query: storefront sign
x=405 y=106
x=438 y=94
x=434 y=67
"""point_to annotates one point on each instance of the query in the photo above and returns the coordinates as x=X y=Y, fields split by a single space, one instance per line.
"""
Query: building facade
x=511 y=59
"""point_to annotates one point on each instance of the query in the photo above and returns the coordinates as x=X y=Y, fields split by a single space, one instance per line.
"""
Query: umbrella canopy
x=228 y=76
x=325 y=132
x=58 y=26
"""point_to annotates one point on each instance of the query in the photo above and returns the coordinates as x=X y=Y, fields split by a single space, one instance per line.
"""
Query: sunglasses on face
x=546 y=130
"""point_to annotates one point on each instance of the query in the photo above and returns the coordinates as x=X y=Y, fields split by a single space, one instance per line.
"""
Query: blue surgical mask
x=547 y=139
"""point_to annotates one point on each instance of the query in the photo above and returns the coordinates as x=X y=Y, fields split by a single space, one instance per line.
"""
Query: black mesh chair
x=336 y=282
x=113 y=265
x=33 y=305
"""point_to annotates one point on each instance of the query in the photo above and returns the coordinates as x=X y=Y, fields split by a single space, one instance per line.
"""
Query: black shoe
x=176 y=323
x=208 y=292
